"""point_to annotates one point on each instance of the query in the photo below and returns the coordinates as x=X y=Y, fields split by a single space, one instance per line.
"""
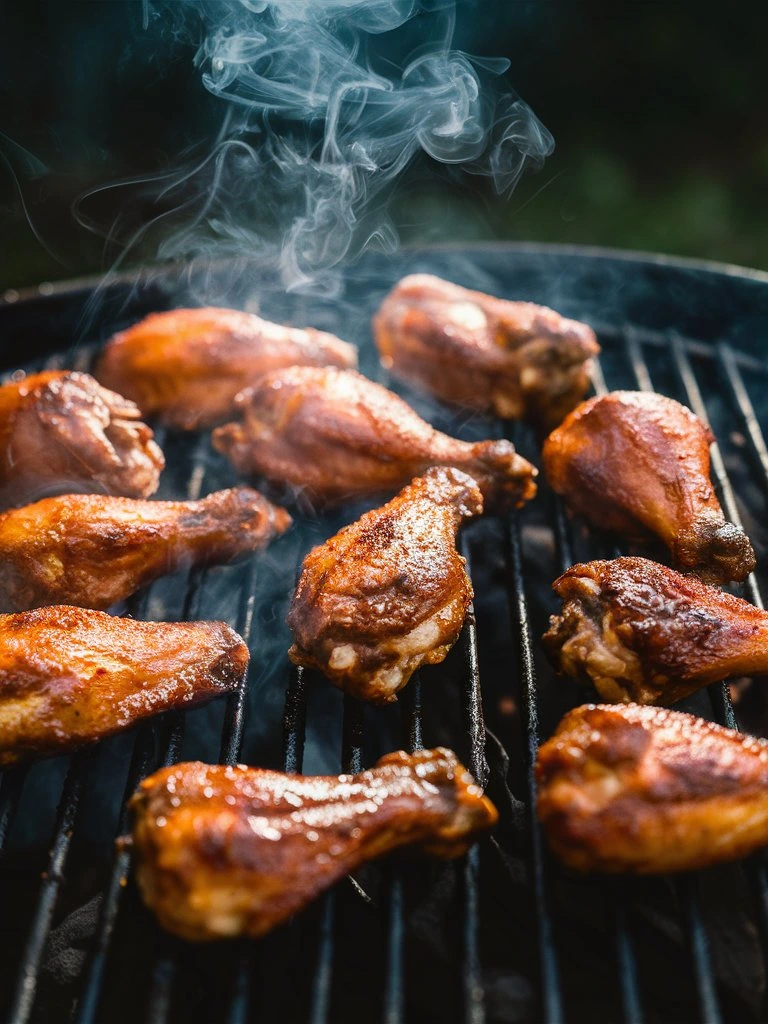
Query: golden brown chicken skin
x=641 y=790
x=388 y=593
x=336 y=435
x=70 y=676
x=226 y=851
x=92 y=550
x=186 y=366
x=638 y=463
x=639 y=631
x=62 y=432
x=515 y=359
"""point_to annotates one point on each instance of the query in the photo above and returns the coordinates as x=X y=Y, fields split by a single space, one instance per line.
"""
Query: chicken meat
x=637 y=463
x=225 y=851
x=515 y=359
x=641 y=790
x=186 y=366
x=641 y=632
x=61 y=432
x=336 y=435
x=92 y=550
x=388 y=593
x=70 y=676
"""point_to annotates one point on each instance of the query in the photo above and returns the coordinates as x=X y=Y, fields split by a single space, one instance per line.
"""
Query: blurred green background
x=659 y=113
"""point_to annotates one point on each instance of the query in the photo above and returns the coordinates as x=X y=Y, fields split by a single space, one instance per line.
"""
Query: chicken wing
x=225 y=851
x=625 y=788
x=70 y=676
x=91 y=550
x=636 y=462
x=515 y=359
x=61 y=432
x=337 y=435
x=187 y=365
x=641 y=632
x=388 y=593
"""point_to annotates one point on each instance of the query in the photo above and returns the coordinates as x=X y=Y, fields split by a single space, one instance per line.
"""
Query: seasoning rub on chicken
x=226 y=851
x=336 y=435
x=639 y=631
x=92 y=550
x=637 y=463
x=186 y=366
x=70 y=676
x=388 y=593
x=515 y=359
x=61 y=432
x=641 y=790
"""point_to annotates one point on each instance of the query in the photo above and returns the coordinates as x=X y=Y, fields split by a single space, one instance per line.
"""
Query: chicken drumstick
x=636 y=462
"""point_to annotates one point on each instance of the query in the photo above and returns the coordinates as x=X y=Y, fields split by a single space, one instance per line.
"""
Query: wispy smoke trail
x=324 y=105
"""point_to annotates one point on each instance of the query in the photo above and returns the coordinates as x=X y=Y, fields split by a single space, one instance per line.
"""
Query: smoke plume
x=324 y=104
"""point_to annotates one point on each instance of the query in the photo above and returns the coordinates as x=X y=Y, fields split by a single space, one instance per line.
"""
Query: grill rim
x=153 y=272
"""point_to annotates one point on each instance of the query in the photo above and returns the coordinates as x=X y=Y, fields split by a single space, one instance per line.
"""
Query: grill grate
x=722 y=384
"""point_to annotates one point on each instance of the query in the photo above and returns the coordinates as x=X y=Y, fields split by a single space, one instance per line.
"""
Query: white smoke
x=321 y=114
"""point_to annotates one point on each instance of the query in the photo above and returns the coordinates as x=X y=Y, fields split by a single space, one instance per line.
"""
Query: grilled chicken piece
x=187 y=365
x=636 y=462
x=388 y=593
x=63 y=432
x=625 y=788
x=337 y=435
x=225 y=851
x=70 y=676
x=641 y=632
x=515 y=359
x=91 y=550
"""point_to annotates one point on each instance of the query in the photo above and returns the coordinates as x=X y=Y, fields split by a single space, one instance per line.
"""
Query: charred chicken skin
x=226 y=851
x=62 y=432
x=187 y=365
x=638 y=463
x=515 y=359
x=70 y=676
x=337 y=435
x=641 y=632
x=388 y=593
x=91 y=550
x=641 y=790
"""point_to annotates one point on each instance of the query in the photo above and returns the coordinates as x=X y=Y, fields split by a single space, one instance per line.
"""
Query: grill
x=504 y=935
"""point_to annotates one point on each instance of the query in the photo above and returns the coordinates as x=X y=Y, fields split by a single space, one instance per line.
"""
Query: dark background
x=658 y=112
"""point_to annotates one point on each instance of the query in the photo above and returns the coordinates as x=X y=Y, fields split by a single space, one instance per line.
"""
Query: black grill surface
x=504 y=935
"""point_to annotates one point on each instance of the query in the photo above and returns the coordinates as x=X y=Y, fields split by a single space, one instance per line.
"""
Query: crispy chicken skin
x=69 y=676
x=388 y=593
x=636 y=462
x=641 y=632
x=92 y=550
x=640 y=790
x=226 y=851
x=186 y=366
x=515 y=359
x=336 y=435
x=62 y=432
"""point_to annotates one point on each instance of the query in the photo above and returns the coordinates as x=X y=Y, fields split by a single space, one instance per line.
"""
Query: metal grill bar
x=729 y=364
x=552 y=1004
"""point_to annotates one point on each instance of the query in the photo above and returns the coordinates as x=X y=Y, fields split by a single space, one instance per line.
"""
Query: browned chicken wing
x=70 y=676
x=187 y=365
x=638 y=463
x=225 y=851
x=91 y=550
x=337 y=435
x=641 y=632
x=388 y=593
x=62 y=432
x=625 y=788
x=515 y=359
